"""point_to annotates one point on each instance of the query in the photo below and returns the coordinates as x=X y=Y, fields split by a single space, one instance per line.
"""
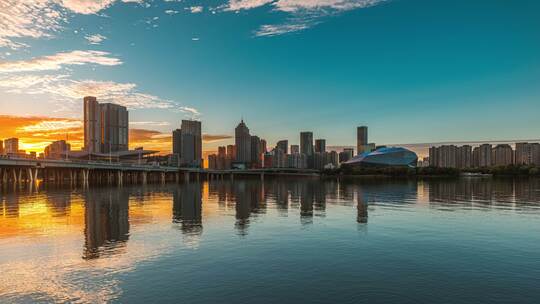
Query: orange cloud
x=35 y=133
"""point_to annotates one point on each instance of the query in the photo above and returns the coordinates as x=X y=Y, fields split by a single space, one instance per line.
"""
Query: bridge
x=19 y=170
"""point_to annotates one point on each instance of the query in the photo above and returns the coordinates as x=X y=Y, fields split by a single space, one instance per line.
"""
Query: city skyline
x=361 y=63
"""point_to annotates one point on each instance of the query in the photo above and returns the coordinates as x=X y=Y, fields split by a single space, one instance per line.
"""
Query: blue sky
x=413 y=71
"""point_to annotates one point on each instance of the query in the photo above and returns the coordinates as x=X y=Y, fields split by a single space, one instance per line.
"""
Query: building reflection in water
x=106 y=221
x=519 y=194
x=187 y=210
x=362 y=208
x=249 y=197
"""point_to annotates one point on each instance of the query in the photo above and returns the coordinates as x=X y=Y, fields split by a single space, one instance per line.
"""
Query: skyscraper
x=283 y=145
x=361 y=139
x=114 y=128
x=1 y=147
x=243 y=143
x=92 y=125
x=191 y=143
x=320 y=145
x=306 y=143
x=256 y=152
x=106 y=127
x=295 y=149
x=177 y=142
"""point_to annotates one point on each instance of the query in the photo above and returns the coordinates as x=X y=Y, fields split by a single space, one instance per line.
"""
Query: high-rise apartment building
x=306 y=143
x=114 y=128
x=92 y=125
x=320 y=145
x=256 y=152
x=361 y=139
x=222 y=163
x=482 y=156
x=503 y=155
x=283 y=145
x=177 y=142
x=464 y=157
x=525 y=154
x=106 y=126
x=11 y=146
x=191 y=143
x=243 y=143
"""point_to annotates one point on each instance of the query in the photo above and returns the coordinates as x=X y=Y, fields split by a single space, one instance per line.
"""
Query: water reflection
x=106 y=222
x=43 y=229
x=187 y=208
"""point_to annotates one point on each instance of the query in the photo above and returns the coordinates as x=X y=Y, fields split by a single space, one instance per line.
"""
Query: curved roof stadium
x=385 y=157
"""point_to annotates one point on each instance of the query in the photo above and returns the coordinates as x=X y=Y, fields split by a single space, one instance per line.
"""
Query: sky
x=414 y=71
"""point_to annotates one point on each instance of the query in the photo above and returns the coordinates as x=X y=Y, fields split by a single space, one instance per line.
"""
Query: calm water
x=284 y=241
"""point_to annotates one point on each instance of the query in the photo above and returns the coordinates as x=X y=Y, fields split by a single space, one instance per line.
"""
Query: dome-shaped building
x=385 y=157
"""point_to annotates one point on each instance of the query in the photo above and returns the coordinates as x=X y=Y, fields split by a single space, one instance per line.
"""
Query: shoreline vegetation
x=511 y=170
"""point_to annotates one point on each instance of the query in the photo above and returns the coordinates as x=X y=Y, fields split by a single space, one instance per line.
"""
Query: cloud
x=171 y=12
x=196 y=9
x=95 y=39
x=57 y=61
x=150 y=123
x=23 y=19
x=189 y=110
x=35 y=133
x=68 y=92
x=28 y=19
x=303 y=13
x=236 y=5
x=86 y=6
x=280 y=29
x=215 y=137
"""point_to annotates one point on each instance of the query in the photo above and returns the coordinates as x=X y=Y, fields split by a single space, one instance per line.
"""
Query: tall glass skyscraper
x=106 y=126
x=243 y=143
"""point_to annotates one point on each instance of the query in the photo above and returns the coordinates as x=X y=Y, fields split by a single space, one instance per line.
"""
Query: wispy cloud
x=23 y=19
x=196 y=9
x=150 y=123
x=68 y=92
x=95 y=39
x=191 y=111
x=171 y=12
x=280 y=29
x=303 y=13
x=208 y=138
x=86 y=6
x=28 y=19
x=57 y=61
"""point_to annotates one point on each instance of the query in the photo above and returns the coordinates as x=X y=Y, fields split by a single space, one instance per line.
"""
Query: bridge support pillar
x=186 y=177
x=144 y=177
x=120 y=177
x=177 y=177
x=232 y=177
x=85 y=176
x=30 y=174
x=163 y=177
x=262 y=176
x=14 y=176
x=20 y=175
